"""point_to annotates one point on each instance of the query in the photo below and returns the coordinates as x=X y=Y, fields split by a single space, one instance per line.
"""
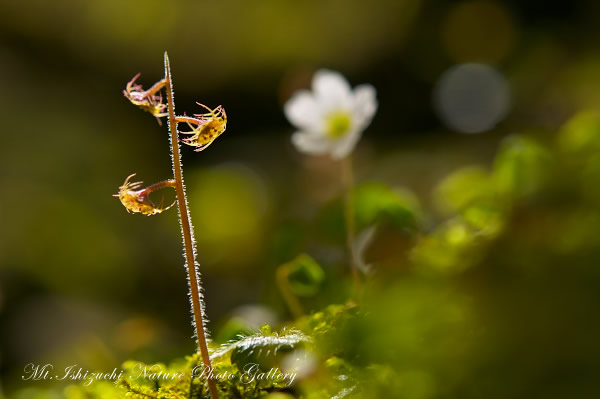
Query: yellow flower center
x=337 y=124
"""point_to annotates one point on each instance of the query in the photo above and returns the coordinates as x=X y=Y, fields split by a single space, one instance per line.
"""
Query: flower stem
x=187 y=119
x=156 y=87
x=160 y=185
x=348 y=182
x=186 y=230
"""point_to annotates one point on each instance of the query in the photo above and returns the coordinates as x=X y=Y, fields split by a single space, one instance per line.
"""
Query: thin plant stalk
x=161 y=185
x=156 y=87
x=348 y=182
x=188 y=235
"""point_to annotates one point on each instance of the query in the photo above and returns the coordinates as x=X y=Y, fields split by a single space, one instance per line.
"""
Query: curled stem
x=187 y=232
x=290 y=299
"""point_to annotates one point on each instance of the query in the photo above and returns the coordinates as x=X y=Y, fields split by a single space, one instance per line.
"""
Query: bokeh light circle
x=472 y=98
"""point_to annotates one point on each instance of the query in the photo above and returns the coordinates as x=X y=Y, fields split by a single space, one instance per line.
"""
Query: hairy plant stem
x=186 y=229
x=348 y=182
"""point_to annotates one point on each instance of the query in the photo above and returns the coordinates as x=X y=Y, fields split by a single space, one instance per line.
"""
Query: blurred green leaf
x=325 y=327
x=377 y=203
x=589 y=178
x=488 y=219
x=522 y=167
x=304 y=275
x=580 y=136
x=463 y=188
x=451 y=248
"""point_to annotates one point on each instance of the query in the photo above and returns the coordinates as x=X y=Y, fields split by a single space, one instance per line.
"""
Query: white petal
x=310 y=143
x=332 y=90
x=361 y=244
x=365 y=105
x=302 y=111
x=345 y=145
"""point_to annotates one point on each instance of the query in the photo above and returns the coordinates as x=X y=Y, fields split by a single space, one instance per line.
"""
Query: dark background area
x=81 y=281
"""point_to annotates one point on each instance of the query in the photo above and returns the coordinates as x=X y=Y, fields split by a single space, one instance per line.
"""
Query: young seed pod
x=138 y=201
x=205 y=127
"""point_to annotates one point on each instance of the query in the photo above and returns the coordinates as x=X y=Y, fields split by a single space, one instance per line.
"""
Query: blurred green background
x=82 y=282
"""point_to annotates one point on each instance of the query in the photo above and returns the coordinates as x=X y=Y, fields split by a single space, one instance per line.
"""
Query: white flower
x=332 y=117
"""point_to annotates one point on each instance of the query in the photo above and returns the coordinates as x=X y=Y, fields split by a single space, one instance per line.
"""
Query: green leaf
x=464 y=188
x=377 y=203
x=260 y=348
x=304 y=275
x=488 y=218
x=581 y=134
x=453 y=247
